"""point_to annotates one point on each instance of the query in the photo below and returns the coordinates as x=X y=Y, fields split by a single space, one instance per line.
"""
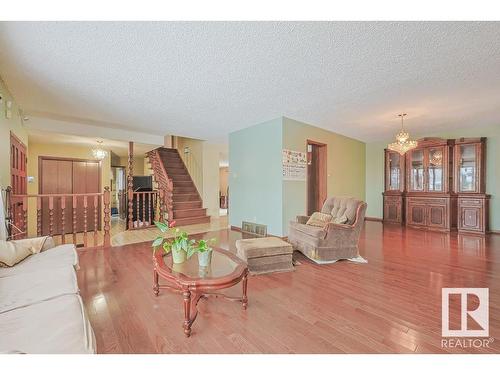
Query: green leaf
x=167 y=247
x=157 y=242
x=191 y=251
x=161 y=226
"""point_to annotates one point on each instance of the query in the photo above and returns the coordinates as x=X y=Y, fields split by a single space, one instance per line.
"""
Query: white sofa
x=41 y=310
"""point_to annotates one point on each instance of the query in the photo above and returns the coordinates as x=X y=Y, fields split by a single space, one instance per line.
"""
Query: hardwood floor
x=390 y=305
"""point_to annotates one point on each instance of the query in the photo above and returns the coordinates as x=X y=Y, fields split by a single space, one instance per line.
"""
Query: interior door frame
x=17 y=204
x=40 y=174
x=322 y=174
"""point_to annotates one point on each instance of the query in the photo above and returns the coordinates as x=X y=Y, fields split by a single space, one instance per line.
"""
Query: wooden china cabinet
x=470 y=185
x=440 y=185
x=394 y=187
x=430 y=202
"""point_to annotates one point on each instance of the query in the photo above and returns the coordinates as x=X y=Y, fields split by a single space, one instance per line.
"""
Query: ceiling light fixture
x=403 y=143
x=98 y=152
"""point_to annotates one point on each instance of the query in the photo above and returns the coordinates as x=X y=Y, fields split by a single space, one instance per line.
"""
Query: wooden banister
x=165 y=185
x=51 y=216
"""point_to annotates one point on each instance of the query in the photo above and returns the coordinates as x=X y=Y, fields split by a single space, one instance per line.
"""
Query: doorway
x=316 y=176
x=69 y=176
x=18 y=183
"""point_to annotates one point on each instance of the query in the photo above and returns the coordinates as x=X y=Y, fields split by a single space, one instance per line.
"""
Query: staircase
x=187 y=204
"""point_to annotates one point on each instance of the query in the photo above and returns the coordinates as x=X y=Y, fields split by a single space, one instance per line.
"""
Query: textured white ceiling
x=120 y=148
x=207 y=79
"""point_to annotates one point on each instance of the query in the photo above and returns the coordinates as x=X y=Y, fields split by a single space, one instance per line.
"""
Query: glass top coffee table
x=194 y=282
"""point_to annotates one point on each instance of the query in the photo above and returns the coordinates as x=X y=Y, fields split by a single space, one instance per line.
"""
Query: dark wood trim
x=322 y=173
x=368 y=218
x=13 y=135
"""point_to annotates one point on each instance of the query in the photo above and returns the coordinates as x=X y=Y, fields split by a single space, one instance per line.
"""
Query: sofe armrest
x=344 y=227
x=48 y=244
x=302 y=219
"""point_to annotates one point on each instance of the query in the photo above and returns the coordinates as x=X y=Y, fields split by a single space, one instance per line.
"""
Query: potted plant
x=204 y=252
x=181 y=246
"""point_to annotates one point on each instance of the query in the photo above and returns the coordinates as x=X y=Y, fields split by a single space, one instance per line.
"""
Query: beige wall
x=211 y=155
x=193 y=160
x=223 y=179
x=14 y=125
x=202 y=163
x=345 y=166
x=62 y=151
x=138 y=164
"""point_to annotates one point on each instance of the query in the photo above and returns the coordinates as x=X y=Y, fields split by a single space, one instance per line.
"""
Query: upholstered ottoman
x=265 y=255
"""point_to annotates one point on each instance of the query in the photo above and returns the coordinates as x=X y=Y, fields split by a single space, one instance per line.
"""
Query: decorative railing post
x=107 y=216
x=170 y=200
x=165 y=186
x=38 y=216
x=130 y=185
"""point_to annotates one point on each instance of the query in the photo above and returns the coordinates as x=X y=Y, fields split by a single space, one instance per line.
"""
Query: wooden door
x=416 y=214
x=436 y=165
x=436 y=216
x=316 y=176
x=56 y=178
x=471 y=214
x=18 y=183
x=393 y=207
x=86 y=180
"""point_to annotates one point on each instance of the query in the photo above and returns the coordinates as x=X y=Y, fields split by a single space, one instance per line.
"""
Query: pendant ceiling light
x=98 y=152
x=403 y=142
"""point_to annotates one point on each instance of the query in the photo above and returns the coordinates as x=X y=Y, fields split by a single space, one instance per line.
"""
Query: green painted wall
x=345 y=166
x=255 y=192
x=375 y=169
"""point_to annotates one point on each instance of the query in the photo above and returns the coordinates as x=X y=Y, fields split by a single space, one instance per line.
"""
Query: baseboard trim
x=497 y=232
x=368 y=218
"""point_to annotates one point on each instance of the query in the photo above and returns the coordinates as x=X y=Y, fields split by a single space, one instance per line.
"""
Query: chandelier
x=98 y=152
x=403 y=142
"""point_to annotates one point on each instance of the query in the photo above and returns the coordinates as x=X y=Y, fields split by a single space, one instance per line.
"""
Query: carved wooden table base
x=193 y=289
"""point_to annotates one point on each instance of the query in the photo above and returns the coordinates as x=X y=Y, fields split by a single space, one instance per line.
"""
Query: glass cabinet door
x=435 y=174
x=467 y=168
x=417 y=170
x=394 y=178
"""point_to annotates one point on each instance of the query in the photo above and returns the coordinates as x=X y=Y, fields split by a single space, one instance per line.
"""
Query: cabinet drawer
x=428 y=201
x=470 y=202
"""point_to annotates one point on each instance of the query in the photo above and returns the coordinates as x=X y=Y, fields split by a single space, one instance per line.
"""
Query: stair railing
x=62 y=216
x=165 y=186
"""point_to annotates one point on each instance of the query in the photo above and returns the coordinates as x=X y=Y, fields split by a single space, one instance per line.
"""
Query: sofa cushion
x=338 y=206
x=12 y=253
x=310 y=230
x=32 y=287
x=59 y=256
x=319 y=219
x=342 y=219
x=56 y=326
